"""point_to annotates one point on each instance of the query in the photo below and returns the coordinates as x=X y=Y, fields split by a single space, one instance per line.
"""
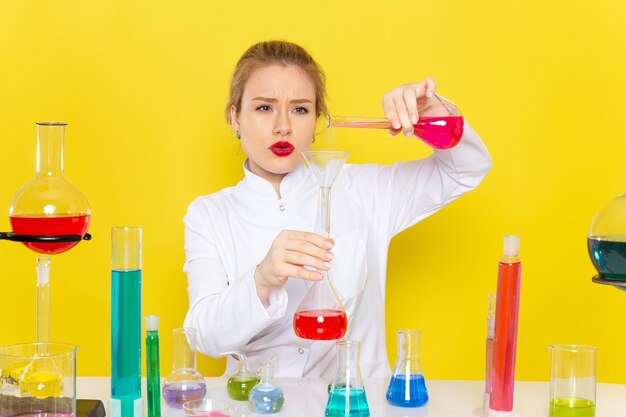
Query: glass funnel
x=407 y=387
x=439 y=125
x=48 y=214
x=184 y=383
x=347 y=394
x=320 y=315
x=607 y=242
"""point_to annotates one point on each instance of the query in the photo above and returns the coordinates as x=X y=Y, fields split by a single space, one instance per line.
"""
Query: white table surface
x=306 y=397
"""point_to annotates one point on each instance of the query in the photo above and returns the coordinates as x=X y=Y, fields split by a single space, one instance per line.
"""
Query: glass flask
x=184 y=383
x=266 y=397
x=320 y=315
x=240 y=383
x=33 y=383
x=347 y=394
x=48 y=214
x=607 y=243
x=440 y=124
x=407 y=387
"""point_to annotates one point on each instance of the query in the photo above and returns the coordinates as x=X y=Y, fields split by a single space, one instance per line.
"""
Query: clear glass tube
x=126 y=322
x=43 y=300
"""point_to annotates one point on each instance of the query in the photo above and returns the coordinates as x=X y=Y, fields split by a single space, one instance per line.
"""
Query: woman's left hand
x=400 y=105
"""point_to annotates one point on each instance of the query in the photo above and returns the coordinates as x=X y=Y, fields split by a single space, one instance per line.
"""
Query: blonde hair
x=276 y=53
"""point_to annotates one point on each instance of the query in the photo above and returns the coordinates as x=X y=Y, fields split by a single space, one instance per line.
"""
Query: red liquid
x=505 y=340
x=50 y=226
x=320 y=324
x=440 y=132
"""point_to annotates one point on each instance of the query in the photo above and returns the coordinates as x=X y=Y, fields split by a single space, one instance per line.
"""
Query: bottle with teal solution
x=265 y=397
x=347 y=394
x=240 y=384
x=153 y=373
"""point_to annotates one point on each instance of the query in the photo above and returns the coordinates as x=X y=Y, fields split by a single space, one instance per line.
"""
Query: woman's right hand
x=290 y=252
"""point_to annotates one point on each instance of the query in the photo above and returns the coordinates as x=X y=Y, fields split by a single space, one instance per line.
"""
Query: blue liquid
x=354 y=404
x=411 y=393
x=126 y=338
x=608 y=254
x=266 y=399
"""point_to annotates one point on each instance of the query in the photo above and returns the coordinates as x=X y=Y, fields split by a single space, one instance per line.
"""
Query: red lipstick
x=282 y=148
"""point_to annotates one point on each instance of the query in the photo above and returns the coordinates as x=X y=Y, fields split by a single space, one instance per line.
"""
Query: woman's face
x=276 y=121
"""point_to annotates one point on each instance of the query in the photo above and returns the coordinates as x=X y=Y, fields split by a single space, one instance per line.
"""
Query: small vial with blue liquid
x=347 y=394
x=407 y=387
x=265 y=397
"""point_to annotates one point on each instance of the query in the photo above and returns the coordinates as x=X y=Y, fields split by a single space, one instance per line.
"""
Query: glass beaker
x=241 y=382
x=573 y=380
x=184 y=383
x=347 y=394
x=125 y=322
x=407 y=387
x=48 y=214
x=38 y=384
x=265 y=397
x=320 y=315
x=440 y=124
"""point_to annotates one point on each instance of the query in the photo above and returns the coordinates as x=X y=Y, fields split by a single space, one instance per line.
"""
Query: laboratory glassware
x=347 y=393
x=49 y=214
x=321 y=315
x=153 y=372
x=126 y=322
x=505 y=339
x=33 y=383
x=184 y=383
x=573 y=380
x=491 y=322
x=439 y=125
x=606 y=242
x=266 y=397
x=208 y=407
x=43 y=300
x=407 y=387
x=241 y=383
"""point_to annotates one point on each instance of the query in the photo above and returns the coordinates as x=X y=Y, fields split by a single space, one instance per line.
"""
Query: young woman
x=248 y=246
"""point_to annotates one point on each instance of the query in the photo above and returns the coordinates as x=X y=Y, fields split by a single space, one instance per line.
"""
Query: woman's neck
x=272 y=178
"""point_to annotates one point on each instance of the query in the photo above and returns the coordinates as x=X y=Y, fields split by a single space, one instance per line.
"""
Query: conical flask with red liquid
x=49 y=214
x=320 y=315
x=439 y=125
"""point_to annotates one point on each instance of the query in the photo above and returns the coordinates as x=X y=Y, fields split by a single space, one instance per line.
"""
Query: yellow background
x=143 y=84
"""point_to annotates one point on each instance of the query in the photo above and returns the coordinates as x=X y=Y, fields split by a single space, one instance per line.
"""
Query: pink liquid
x=320 y=324
x=505 y=340
x=440 y=132
x=50 y=226
x=210 y=414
